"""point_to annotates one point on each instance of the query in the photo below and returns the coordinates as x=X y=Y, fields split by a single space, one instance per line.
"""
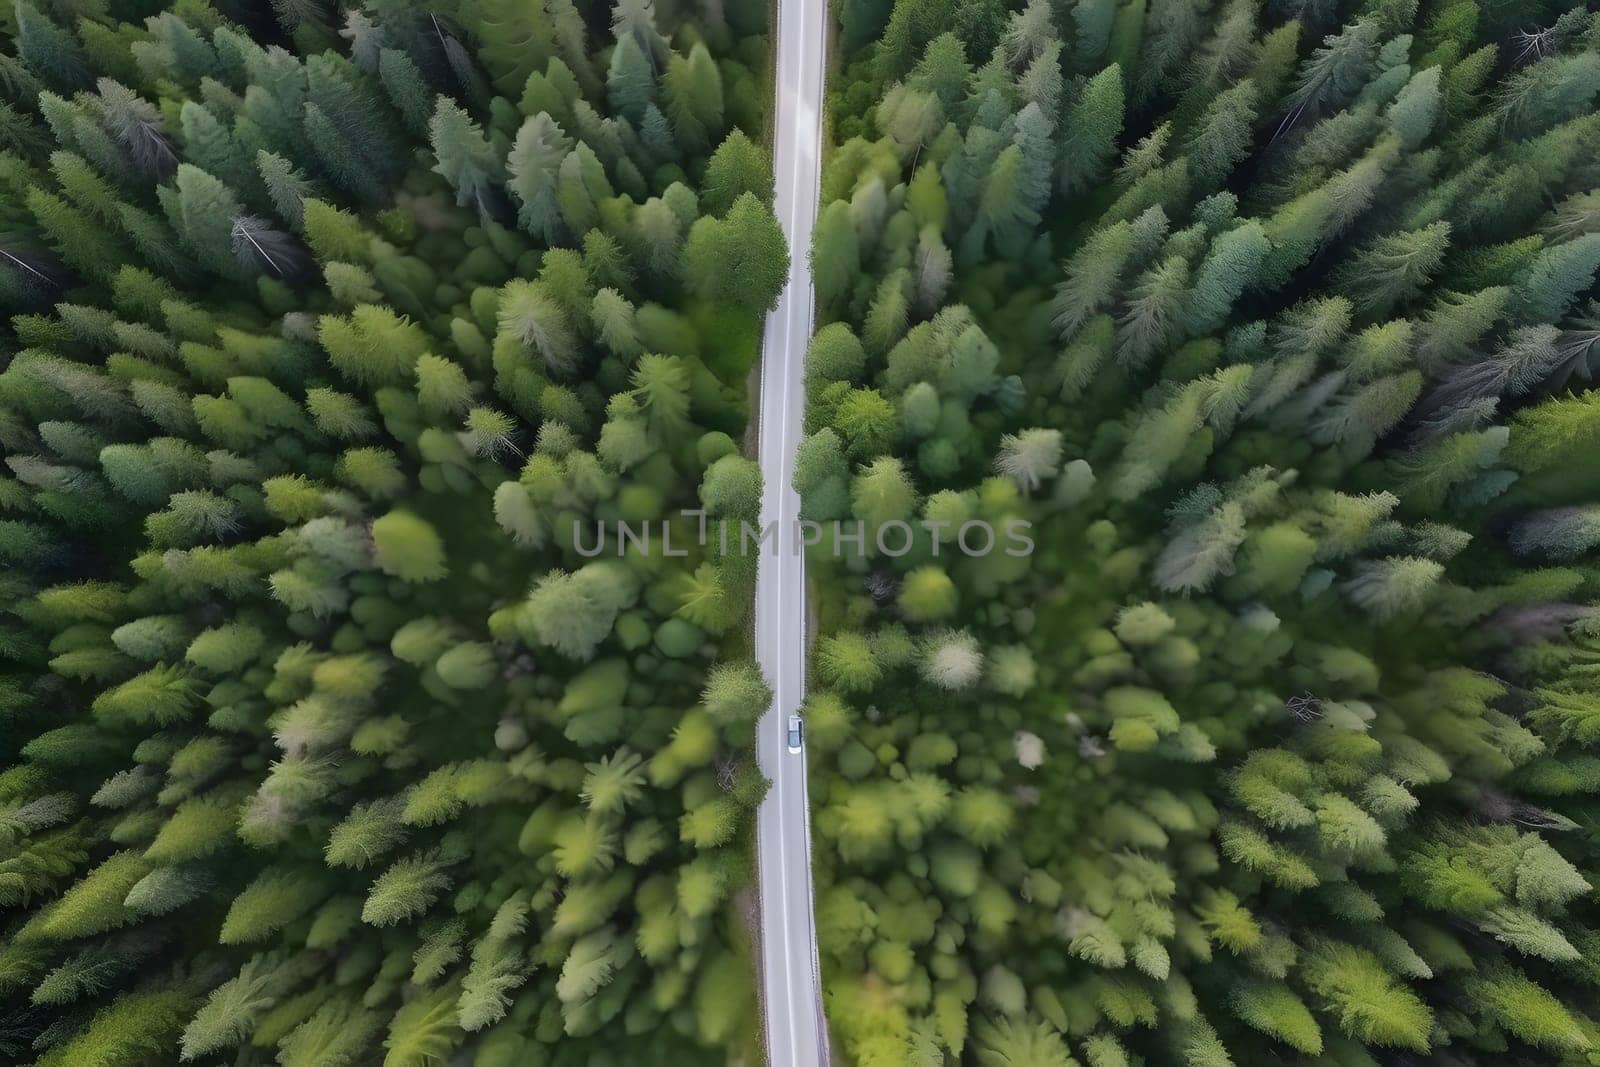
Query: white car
x=797 y=733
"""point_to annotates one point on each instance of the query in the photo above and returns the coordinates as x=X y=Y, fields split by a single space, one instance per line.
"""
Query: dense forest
x=335 y=333
x=326 y=328
x=1277 y=321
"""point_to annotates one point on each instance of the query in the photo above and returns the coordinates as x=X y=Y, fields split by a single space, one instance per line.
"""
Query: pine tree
x=735 y=694
x=692 y=89
x=408 y=547
x=630 y=79
x=48 y=50
x=1394 y=268
x=465 y=158
x=533 y=165
x=740 y=259
x=137 y=127
x=737 y=167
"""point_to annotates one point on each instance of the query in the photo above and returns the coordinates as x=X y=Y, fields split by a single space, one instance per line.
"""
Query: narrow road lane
x=791 y=993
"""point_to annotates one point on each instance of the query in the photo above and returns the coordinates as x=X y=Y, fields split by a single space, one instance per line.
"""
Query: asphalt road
x=791 y=994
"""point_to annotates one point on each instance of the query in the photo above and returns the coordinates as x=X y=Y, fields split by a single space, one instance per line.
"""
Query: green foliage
x=423 y=1031
x=405 y=890
x=740 y=259
x=94 y=904
x=1271 y=327
x=329 y=338
x=136 y=1028
x=408 y=548
x=272 y=901
x=736 y=694
x=229 y=1013
x=738 y=166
